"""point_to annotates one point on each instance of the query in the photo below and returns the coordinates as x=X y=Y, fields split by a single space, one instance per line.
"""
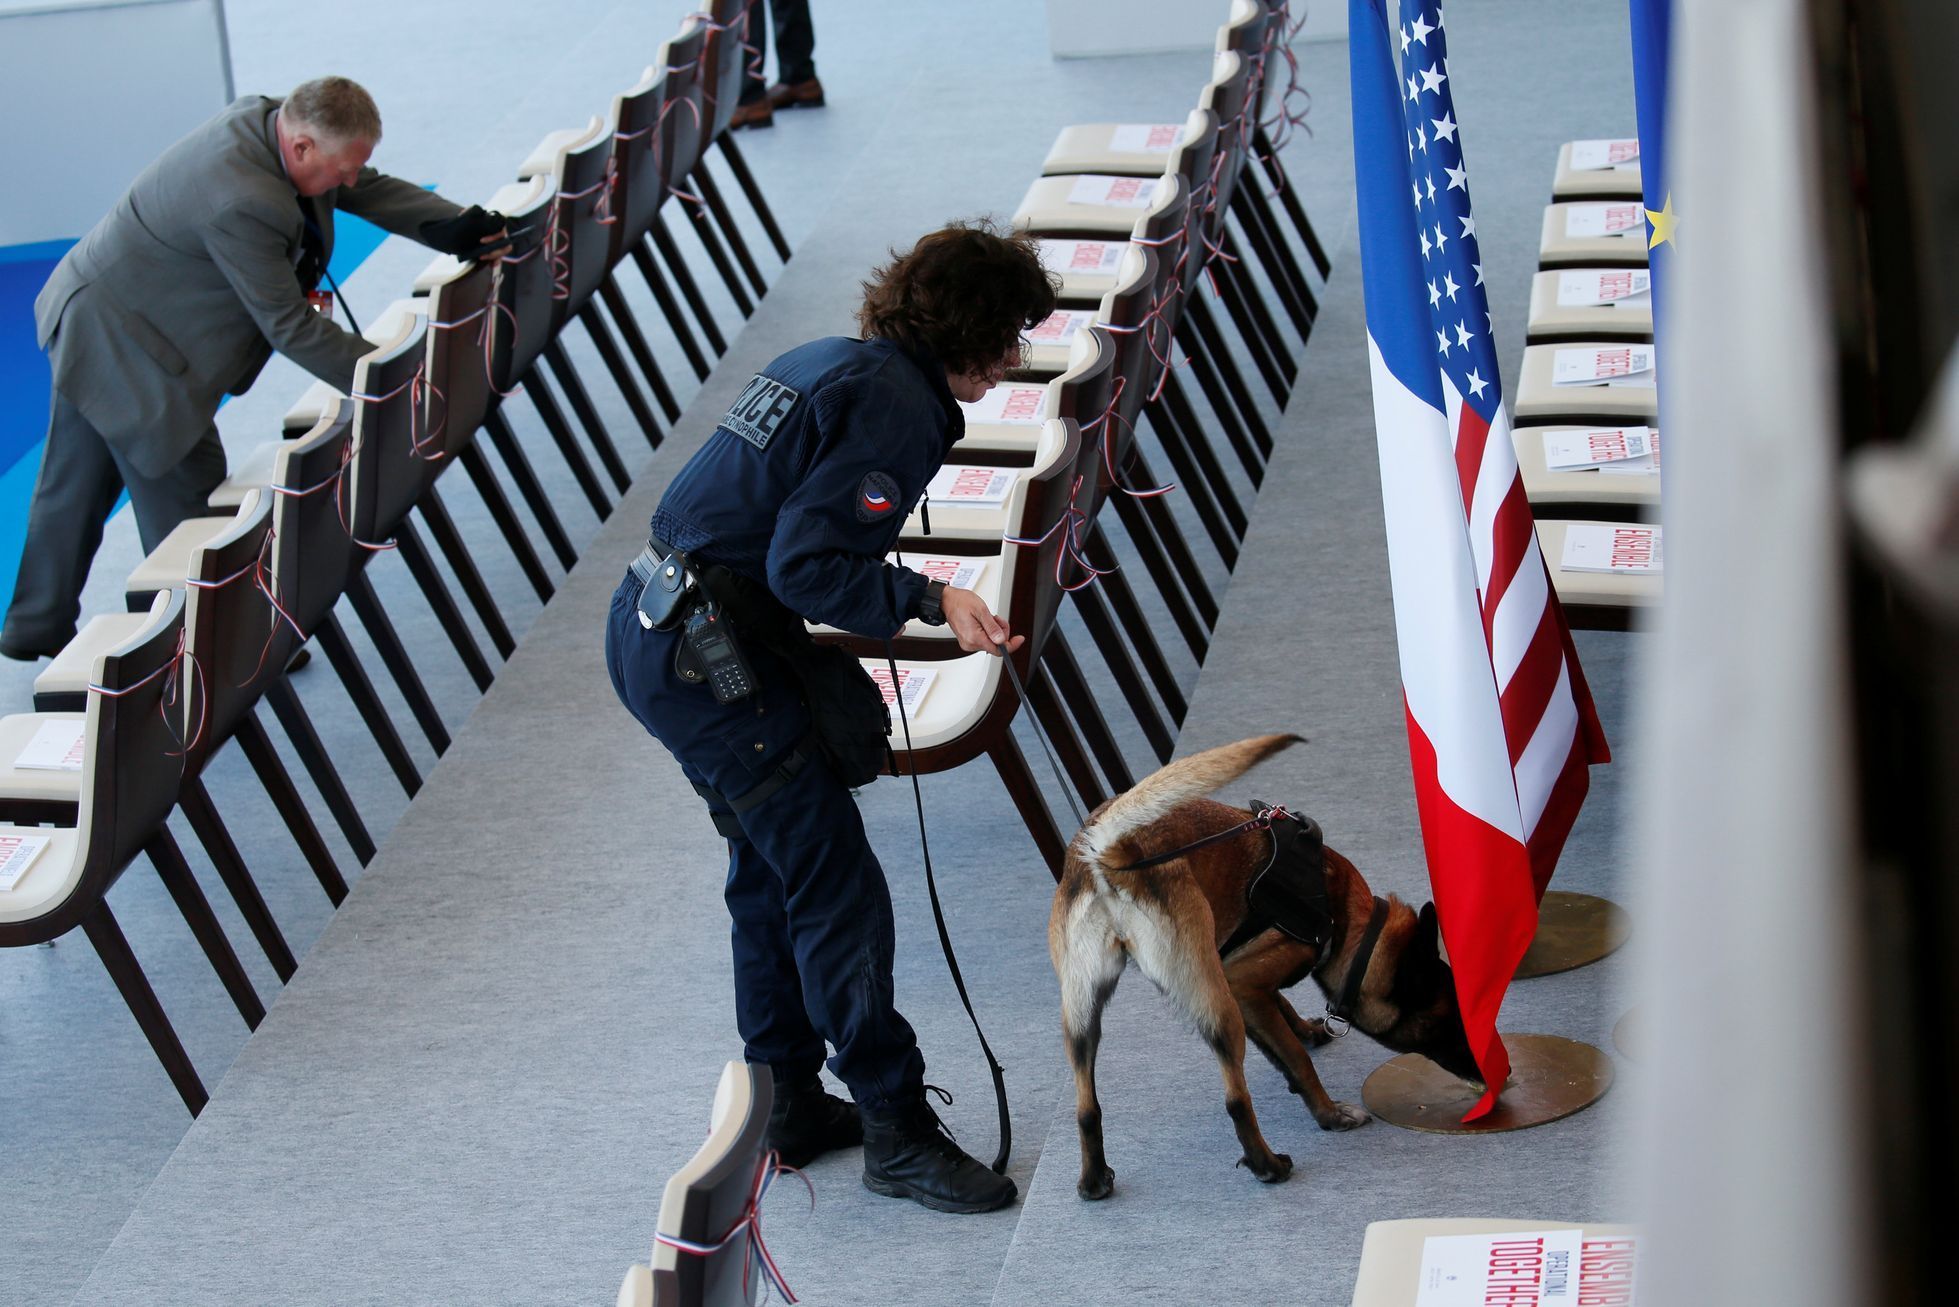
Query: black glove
x=463 y=234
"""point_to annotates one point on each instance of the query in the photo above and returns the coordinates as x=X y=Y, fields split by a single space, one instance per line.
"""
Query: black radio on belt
x=712 y=642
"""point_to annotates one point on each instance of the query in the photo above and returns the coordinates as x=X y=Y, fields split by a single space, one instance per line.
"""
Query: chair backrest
x=1191 y=162
x=586 y=200
x=132 y=765
x=1091 y=395
x=711 y=1193
x=724 y=60
x=234 y=639
x=1226 y=96
x=456 y=363
x=1032 y=589
x=311 y=549
x=683 y=134
x=1249 y=33
x=386 y=475
x=639 y=182
x=527 y=314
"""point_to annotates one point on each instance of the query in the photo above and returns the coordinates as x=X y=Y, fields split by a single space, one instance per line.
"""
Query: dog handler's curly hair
x=963 y=295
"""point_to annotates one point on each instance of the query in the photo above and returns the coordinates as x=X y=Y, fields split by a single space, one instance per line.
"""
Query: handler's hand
x=974 y=624
x=495 y=238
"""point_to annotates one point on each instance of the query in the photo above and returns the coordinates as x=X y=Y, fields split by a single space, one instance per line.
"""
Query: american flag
x=1501 y=724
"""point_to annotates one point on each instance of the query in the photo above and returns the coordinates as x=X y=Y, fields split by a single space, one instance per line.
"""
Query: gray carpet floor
x=498 y=1048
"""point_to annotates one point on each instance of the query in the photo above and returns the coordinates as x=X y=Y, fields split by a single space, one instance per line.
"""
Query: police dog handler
x=210 y=262
x=786 y=514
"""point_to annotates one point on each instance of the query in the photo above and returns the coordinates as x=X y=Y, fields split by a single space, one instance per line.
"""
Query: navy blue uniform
x=804 y=486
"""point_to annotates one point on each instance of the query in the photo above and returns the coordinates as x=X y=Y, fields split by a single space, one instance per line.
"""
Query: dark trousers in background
x=795 y=46
x=812 y=932
x=79 y=481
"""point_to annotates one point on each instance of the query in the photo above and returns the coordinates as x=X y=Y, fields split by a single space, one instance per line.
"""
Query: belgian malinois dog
x=1172 y=917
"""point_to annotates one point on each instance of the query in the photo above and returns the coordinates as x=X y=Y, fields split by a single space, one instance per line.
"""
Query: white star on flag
x=1463 y=333
x=1445 y=127
x=1434 y=295
x=1477 y=385
x=1441 y=237
x=1468 y=224
x=1432 y=80
x=1422 y=29
x=1458 y=177
x=1449 y=285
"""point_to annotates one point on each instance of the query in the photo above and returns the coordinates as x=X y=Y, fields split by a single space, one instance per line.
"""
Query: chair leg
x=1102 y=629
x=669 y=309
x=1249 y=438
x=1277 y=260
x=340 y=652
x=1288 y=196
x=704 y=183
x=615 y=362
x=716 y=255
x=312 y=753
x=1011 y=763
x=1129 y=619
x=421 y=565
x=505 y=517
x=586 y=412
x=1071 y=688
x=1053 y=720
x=1197 y=334
x=1236 y=282
x=1268 y=360
x=1177 y=445
x=1140 y=520
x=533 y=490
x=209 y=827
x=450 y=541
x=561 y=435
x=285 y=797
x=103 y=932
x=746 y=180
x=1204 y=456
x=176 y=876
x=683 y=277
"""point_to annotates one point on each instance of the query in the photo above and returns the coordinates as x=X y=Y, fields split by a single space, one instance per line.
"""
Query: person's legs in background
x=796 y=86
x=73 y=494
x=755 y=109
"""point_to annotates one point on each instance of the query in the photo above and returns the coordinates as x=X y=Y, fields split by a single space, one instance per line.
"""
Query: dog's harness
x=1289 y=893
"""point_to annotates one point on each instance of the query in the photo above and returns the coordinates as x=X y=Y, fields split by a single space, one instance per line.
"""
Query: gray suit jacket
x=184 y=290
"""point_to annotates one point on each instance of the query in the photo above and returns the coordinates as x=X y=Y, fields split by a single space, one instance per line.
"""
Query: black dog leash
x=945 y=936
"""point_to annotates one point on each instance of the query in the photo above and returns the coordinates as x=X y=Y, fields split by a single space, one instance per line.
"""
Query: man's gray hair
x=336 y=110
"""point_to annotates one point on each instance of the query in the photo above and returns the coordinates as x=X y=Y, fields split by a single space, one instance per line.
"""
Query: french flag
x=1501 y=726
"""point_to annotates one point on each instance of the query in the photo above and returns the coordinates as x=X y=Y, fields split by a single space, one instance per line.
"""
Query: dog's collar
x=1339 y=1010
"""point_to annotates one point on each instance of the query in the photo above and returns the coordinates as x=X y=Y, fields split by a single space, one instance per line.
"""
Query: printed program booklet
x=970 y=487
x=1593 y=287
x=913 y=682
x=1060 y=326
x=17 y=854
x=1596 y=156
x=1584 y=221
x=1547 y=1268
x=1613 y=549
x=1008 y=405
x=1584 y=448
x=56 y=746
x=958 y=573
x=1610 y=365
x=1065 y=256
x=1146 y=138
x=1116 y=192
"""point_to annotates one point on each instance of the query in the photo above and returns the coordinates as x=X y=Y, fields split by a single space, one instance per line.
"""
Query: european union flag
x=1652 y=20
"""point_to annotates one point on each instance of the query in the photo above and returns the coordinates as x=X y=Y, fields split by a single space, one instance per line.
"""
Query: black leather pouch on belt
x=846 y=708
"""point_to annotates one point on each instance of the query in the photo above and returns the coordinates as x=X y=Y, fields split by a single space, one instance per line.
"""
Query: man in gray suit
x=177 y=298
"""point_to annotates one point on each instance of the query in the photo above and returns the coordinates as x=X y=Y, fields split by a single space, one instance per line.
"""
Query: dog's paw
x=1273 y=1171
x=1344 y=1116
x=1313 y=1033
x=1096 y=1187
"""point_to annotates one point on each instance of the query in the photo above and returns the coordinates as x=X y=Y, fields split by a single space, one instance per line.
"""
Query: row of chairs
x=1591 y=304
x=1139 y=221
x=219 y=609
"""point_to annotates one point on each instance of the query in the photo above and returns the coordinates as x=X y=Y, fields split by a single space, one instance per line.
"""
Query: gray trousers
x=80 y=478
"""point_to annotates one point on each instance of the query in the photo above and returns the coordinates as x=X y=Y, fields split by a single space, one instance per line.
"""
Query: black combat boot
x=805 y=1122
x=908 y=1153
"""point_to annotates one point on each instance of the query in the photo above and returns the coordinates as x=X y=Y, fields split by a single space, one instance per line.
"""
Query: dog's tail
x=1181 y=781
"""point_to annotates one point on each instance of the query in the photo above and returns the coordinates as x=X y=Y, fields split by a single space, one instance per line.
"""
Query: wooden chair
x=1607 y=181
x=1571 y=304
x=684 y=135
x=1631 y=398
x=126 y=787
x=1599 y=601
x=1584 y=493
x=723 y=66
x=1593 y=234
x=711 y=1201
x=639 y=189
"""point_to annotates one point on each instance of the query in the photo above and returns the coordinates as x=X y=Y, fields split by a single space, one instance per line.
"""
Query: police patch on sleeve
x=758 y=412
x=877 y=497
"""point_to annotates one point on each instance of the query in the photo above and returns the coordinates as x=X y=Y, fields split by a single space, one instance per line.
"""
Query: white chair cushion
x=254 y=472
x=986 y=585
x=1088 y=269
x=1091 y=202
x=1633 y=398
x=306 y=413
x=1119 y=149
x=958 y=694
x=16 y=782
x=1603 y=233
x=543 y=160
x=1629 y=317
x=169 y=563
x=1615 y=181
x=71 y=669
x=1052 y=340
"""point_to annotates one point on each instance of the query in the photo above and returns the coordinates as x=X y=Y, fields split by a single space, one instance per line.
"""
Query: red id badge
x=322 y=302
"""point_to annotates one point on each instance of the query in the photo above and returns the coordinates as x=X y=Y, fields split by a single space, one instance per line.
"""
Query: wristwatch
x=931 y=605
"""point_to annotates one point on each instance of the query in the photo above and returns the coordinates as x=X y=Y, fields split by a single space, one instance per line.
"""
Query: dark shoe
x=801 y=95
x=908 y=1153
x=25 y=653
x=759 y=114
x=806 y=1123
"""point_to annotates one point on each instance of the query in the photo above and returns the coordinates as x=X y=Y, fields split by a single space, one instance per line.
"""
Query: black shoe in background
x=806 y=1123
x=908 y=1153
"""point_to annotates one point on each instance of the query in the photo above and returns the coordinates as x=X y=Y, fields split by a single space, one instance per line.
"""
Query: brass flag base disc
x=1550 y=1078
x=1573 y=930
